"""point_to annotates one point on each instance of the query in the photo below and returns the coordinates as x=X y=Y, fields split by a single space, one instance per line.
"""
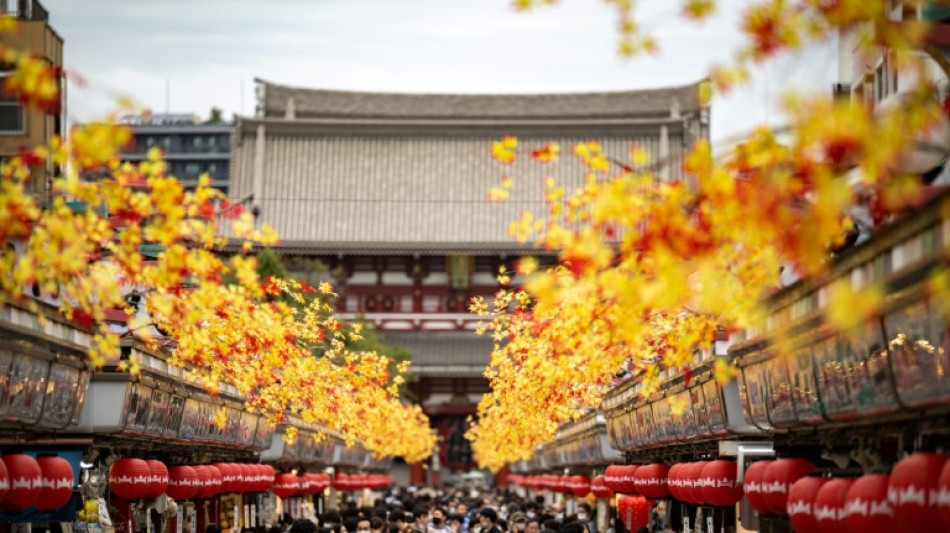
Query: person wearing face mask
x=438 y=524
x=519 y=522
x=363 y=525
x=586 y=516
x=489 y=521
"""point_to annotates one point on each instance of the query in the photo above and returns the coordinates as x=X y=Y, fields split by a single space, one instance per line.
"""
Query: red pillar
x=501 y=478
x=417 y=476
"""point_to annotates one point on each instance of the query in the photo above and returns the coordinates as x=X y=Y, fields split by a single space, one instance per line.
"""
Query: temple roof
x=388 y=173
x=322 y=103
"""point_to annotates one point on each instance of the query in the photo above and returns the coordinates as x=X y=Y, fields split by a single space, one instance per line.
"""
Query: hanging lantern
x=157 y=479
x=216 y=482
x=866 y=508
x=599 y=487
x=204 y=482
x=694 y=479
x=752 y=486
x=26 y=480
x=943 y=495
x=228 y=476
x=259 y=479
x=580 y=485
x=4 y=481
x=719 y=484
x=285 y=485
x=182 y=482
x=267 y=471
x=801 y=504
x=912 y=492
x=128 y=478
x=612 y=477
x=341 y=481
x=674 y=482
x=651 y=480
x=57 y=482
x=246 y=477
x=304 y=483
x=778 y=479
x=829 y=504
x=628 y=478
x=633 y=510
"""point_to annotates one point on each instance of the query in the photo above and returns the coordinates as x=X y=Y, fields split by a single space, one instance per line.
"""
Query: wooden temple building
x=386 y=195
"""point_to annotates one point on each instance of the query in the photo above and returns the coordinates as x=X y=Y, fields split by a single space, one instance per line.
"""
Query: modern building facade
x=386 y=195
x=22 y=128
x=191 y=148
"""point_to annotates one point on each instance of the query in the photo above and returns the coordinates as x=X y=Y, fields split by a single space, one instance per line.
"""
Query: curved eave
x=458 y=127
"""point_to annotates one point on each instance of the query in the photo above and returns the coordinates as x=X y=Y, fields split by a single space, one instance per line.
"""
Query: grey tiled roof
x=334 y=190
x=315 y=103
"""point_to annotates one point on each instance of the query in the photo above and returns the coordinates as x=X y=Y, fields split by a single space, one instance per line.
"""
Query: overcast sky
x=207 y=50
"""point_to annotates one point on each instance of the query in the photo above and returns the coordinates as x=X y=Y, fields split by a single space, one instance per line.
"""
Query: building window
x=192 y=169
x=12 y=115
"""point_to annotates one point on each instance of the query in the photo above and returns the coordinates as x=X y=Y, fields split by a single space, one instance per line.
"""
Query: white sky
x=206 y=49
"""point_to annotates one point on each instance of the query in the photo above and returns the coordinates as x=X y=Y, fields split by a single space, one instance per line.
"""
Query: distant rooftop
x=166 y=119
x=275 y=99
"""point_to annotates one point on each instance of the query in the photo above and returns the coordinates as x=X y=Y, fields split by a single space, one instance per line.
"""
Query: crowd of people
x=451 y=511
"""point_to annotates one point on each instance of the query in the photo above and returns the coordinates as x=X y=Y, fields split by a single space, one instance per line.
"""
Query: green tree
x=216 y=116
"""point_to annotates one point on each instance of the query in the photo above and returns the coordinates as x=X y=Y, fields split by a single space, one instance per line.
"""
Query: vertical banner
x=193 y=519
x=180 y=519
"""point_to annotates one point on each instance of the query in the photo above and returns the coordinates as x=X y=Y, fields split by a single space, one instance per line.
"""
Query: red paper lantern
x=57 y=482
x=304 y=483
x=719 y=484
x=260 y=478
x=752 y=486
x=182 y=482
x=285 y=485
x=246 y=477
x=912 y=493
x=157 y=479
x=943 y=494
x=612 y=477
x=652 y=480
x=599 y=487
x=341 y=481
x=866 y=509
x=694 y=479
x=204 y=482
x=628 y=478
x=216 y=480
x=580 y=485
x=228 y=476
x=128 y=478
x=633 y=510
x=4 y=481
x=26 y=480
x=801 y=504
x=674 y=481
x=268 y=477
x=779 y=478
x=829 y=504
